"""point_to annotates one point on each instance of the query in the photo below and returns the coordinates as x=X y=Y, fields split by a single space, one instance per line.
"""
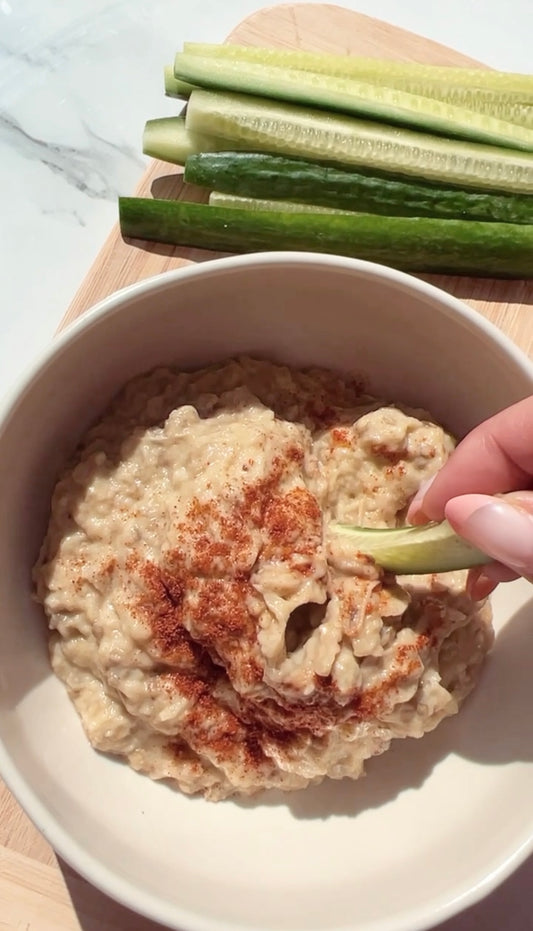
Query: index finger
x=497 y=456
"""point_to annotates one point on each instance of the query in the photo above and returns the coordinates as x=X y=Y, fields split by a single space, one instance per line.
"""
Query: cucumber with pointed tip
x=414 y=550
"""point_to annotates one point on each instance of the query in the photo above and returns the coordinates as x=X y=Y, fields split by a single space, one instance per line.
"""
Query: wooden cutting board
x=317 y=27
x=36 y=891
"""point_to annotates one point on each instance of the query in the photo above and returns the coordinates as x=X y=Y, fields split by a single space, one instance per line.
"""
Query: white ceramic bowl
x=438 y=822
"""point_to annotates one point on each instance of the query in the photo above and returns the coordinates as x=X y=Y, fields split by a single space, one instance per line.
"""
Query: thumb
x=502 y=527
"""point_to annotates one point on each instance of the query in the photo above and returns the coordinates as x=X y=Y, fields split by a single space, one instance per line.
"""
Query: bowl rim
x=113 y=302
x=103 y=877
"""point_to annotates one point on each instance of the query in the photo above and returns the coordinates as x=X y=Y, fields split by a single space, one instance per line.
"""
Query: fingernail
x=503 y=532
x=520 y=499
x=415 y=512
x=478 y=585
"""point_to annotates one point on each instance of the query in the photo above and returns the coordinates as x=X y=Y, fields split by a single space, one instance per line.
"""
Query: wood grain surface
x=38 y=892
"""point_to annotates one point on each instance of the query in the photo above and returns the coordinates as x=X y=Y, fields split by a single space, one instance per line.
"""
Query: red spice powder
x=198 y=606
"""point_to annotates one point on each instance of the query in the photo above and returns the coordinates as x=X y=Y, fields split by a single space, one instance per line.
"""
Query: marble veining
x=90 y=171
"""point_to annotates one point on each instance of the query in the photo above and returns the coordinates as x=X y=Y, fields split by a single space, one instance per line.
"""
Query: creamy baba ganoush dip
x=207 y=624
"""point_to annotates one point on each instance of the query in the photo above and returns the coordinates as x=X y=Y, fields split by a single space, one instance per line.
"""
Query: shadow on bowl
x=492 y=729
x=97 y=912
x=484 y=289
x=478 y=290
x=505 y=692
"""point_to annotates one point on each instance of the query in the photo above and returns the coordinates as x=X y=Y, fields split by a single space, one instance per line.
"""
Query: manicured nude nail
x=415 y=513
x=496 y=527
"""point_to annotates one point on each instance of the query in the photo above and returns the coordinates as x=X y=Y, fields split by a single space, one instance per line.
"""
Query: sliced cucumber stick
x=169 y=139
x=513 y=106
x=173 y=86
x=256 y=175
x=258 y=124
x=384 y=71
x=218 y=199
x=349 y=95
x=412 y=243
x=503 y=95
x=414 y=550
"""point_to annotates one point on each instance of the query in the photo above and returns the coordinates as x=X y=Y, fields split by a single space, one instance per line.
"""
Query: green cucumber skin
x=409 y=243
x=256 y=124
x=354 y=97
x=278 y=178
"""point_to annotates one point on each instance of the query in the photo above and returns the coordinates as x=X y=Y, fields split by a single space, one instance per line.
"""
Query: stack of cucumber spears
x=420 y=167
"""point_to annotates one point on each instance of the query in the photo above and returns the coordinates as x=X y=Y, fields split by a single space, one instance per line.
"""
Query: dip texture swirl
x=207 y=624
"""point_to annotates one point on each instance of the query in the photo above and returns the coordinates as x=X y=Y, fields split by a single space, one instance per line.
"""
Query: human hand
x=494 y=459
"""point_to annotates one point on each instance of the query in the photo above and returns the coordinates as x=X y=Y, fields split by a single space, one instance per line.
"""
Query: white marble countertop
x=78 y=79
